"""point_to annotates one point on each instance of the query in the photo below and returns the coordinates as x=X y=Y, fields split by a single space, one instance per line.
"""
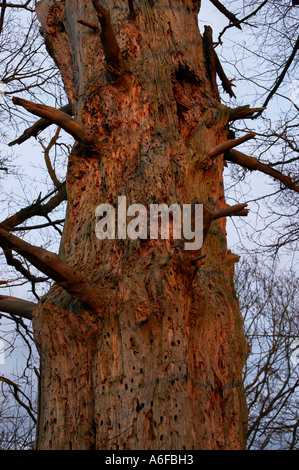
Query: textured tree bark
x=159 y=366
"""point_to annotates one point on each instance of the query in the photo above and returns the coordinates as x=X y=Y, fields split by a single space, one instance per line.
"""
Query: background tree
x=269 y=306
x=18 y=417
x=152 y=332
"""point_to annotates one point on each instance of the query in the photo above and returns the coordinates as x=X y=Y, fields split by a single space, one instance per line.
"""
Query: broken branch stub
x=60 y=118
x=73 y=281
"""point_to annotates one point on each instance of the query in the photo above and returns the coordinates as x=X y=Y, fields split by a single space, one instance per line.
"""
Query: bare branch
x=2 y=14
x=243 y=112
x=226 y=83
x=252 y=163
x=214 y=65
x=110 y=45
x=38 y=127
x=17 y=5
x=47 y=150
x=74 y=282
x=199 y=260
x=226 y=13
x=35 y=209
x=18 y=265
x=228 y=144
x=237 y=210
x=281 y=76
x=58 y=117
x=19 y=307
x=243 y=20
x=38 y=226
x=16 y=391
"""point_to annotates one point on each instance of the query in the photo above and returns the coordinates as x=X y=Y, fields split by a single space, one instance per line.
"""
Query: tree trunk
x=160 y=367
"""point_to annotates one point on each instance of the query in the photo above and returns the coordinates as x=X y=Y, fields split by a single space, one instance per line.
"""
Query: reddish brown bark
x=163 y=369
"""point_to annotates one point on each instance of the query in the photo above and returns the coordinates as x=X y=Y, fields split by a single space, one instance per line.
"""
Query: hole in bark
x=161 y=437
x=161 y=418
x=175 y=417
x=138 y=407
x=178 y=341
x=152 y=403
x=172 y=343
x=126 y=386
x=101 y=423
